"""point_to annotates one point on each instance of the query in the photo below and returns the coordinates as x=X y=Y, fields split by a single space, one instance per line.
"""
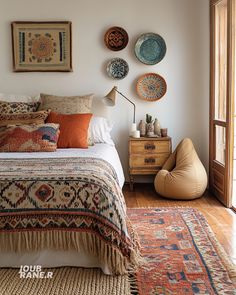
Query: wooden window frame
x=226 y=169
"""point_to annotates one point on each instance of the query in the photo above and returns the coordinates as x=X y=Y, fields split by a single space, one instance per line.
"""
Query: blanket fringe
x=70 y=240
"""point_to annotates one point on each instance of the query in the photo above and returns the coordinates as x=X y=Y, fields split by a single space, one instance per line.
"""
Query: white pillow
x=99 y=131
x=18 y=98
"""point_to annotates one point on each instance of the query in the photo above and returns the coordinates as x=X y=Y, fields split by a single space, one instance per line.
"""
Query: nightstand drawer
x=149 y=146
x=156 y=160
x=147 y=155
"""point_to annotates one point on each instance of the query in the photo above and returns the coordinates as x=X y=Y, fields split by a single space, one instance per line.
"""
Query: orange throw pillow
x=73 y=129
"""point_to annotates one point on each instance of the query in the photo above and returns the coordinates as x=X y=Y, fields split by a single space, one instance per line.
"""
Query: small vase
x=142 y=128
x=157 y=127
x=150 y=130
x=164 y=132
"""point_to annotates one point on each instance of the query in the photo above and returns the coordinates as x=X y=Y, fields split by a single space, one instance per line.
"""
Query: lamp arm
x=130 y=102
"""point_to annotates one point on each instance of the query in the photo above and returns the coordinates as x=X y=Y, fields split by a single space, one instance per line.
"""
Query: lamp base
x=133 y=128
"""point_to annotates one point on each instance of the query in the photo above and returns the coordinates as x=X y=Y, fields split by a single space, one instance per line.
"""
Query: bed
x=65 y=208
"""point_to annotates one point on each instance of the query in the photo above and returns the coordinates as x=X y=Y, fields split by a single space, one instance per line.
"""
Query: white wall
x=184 y=24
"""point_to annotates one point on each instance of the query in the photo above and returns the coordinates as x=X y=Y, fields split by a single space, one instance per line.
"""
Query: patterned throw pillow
x=66 y=104
x=24 y=118
x=29 y=138
x=18 y=107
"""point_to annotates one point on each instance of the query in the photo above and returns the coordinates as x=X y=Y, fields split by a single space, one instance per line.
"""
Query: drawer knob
x=150 y=160
x=150 y=146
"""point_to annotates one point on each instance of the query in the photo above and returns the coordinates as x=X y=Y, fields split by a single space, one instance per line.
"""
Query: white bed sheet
x=49 y=258
x=101 y=150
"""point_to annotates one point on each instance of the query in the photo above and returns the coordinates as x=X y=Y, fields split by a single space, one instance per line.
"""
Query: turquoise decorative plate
x=151 y=87
x=117 y=68
x=150 y=48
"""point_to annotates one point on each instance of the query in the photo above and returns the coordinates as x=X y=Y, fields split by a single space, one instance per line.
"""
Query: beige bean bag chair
x=183 y=176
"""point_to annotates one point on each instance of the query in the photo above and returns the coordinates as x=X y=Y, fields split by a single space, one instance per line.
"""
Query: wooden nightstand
x=147 y=155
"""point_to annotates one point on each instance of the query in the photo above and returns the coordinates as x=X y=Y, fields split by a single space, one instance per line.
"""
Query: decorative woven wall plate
x=117 y=68
x=116 y=38
x=151 y=87
x=150 y=48
x=42 y=46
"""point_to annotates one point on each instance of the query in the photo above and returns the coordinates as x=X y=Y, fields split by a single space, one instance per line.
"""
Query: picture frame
x=42 y=46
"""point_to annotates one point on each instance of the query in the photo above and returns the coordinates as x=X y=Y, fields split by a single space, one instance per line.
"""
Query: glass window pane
x=220 y=144
x=220 y=60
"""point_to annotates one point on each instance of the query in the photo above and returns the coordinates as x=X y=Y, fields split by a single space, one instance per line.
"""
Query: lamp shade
x=110 y=98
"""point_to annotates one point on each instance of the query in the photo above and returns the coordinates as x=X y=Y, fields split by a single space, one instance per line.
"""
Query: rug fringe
x=132 y=278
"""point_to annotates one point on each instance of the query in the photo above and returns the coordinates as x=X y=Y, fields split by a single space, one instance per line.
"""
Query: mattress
x=49 y=258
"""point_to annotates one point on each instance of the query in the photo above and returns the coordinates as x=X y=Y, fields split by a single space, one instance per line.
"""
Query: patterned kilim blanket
x=66 y=204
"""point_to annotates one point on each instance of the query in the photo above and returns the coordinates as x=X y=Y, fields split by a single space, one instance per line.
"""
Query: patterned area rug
x=182 y=254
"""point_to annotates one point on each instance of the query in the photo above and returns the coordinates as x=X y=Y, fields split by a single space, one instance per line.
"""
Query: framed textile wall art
x=42 y=46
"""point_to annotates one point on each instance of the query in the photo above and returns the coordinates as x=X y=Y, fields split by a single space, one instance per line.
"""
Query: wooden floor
x=221 y=219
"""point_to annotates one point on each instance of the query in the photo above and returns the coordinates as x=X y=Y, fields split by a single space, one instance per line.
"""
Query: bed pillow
x=66 y=104
x=99 y=131
x=18 y=107
x=29 y=138
x=24 y=118
x=73 y=129
x=18 y=97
